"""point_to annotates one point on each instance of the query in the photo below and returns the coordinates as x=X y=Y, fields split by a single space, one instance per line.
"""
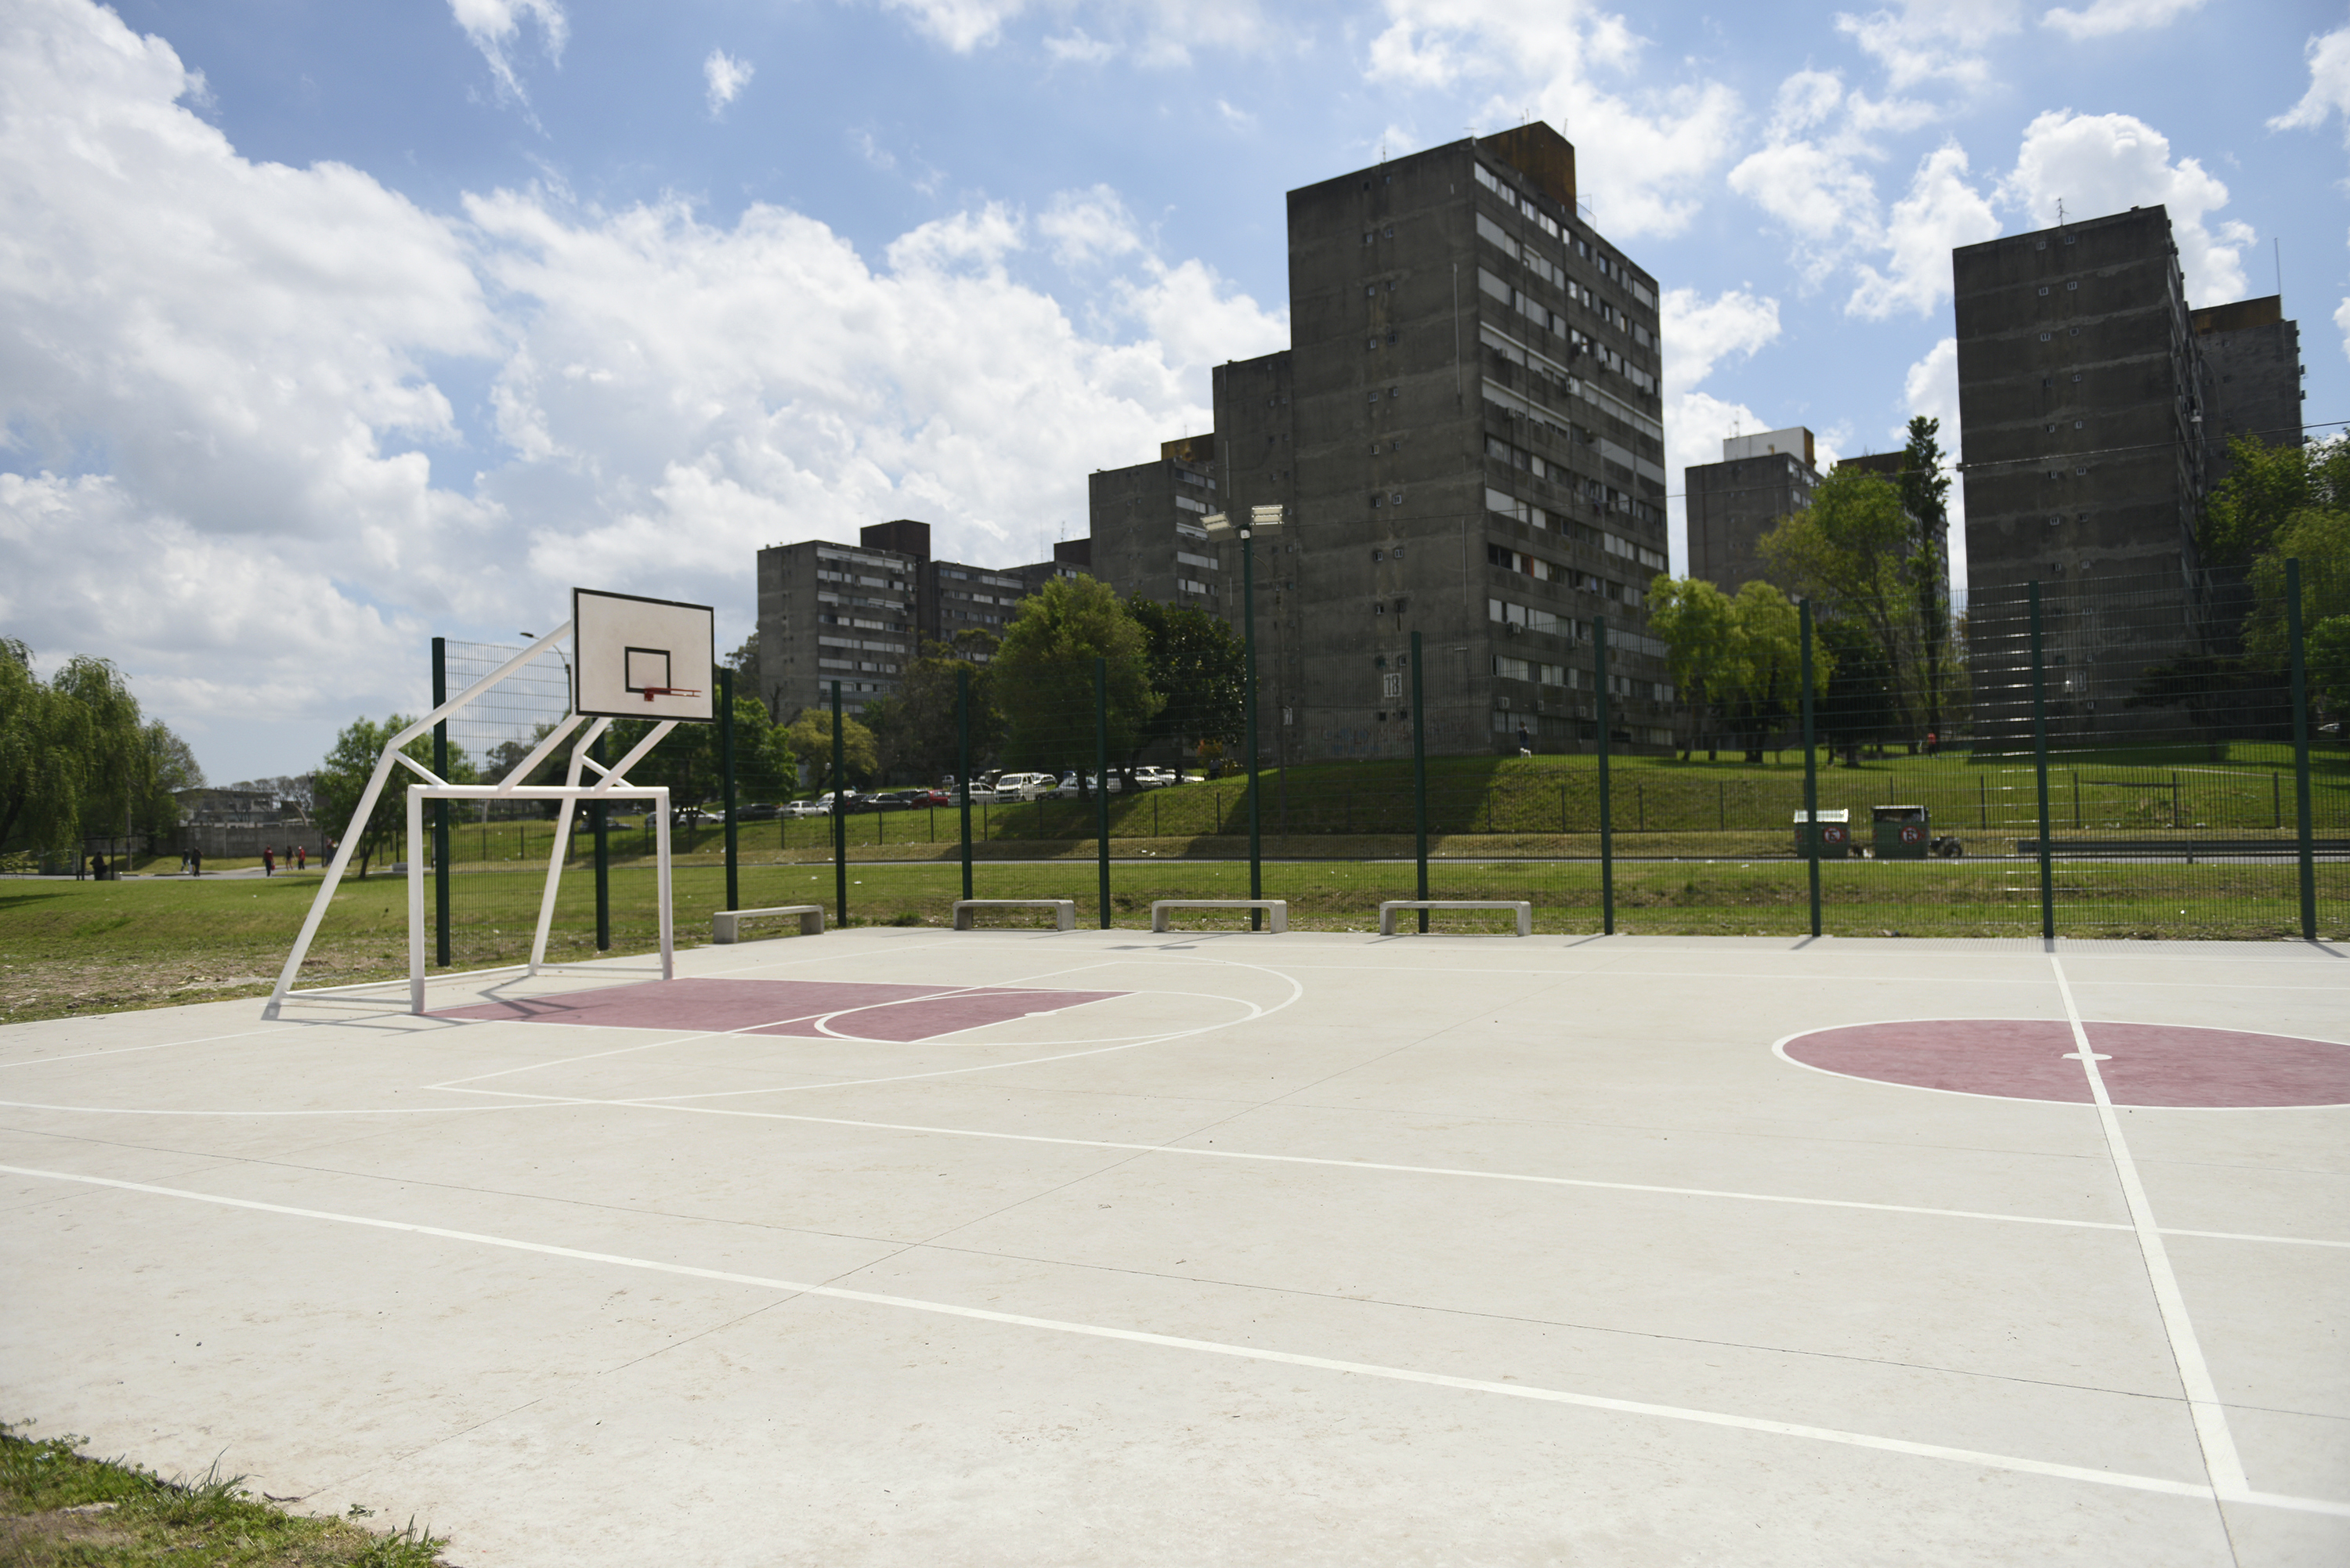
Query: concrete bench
x=726 y=924
x=1522 y=909
x=1064 y=910
x=1278 y=908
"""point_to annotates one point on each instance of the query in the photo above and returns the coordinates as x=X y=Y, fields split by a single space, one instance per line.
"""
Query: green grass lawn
x=75 y=946
x=63 y=1509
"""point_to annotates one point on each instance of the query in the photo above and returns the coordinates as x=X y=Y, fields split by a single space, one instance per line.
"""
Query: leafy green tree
x=1925 y=485
x=1849 y=553
x=1694 y=618
x=808 y=738
x=1044 y=676
x=1761 y=682
x=342 y=777
x=1859 y=707
x=2266 y=486
x=1199 y=669
x=43 y=742
x=2320 y=540
x=917 y=732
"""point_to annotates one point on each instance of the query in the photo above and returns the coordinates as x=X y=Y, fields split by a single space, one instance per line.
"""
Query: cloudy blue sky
x=324 y=327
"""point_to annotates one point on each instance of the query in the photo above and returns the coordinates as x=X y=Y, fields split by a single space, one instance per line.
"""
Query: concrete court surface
x=1318 y=1248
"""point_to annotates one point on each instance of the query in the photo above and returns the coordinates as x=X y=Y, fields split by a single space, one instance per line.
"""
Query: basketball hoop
x=653 y=692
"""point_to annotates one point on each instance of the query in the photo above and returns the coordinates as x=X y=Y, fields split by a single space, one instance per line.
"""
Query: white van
x=1010 y=787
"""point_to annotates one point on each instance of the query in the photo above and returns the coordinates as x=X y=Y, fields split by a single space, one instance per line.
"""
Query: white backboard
x=642 y=659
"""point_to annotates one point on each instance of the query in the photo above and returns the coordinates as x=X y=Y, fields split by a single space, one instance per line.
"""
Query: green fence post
x=1248 y=720
x=726 y=778
x=963 y=764
x=1101 y=784
x=1606 y=805
x=1419 y=779
x=2040 y=774
x=839 y=816
x=1811 y=771
x=441 y=807
x=2301 y=752
x=600 y=820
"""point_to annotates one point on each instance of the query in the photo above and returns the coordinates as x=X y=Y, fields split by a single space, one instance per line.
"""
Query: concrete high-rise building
x=860 y=614
x=1467 y=436
x=2083 y=401
x=1759 y=480
x=1148 y=529
x=834 y=612
x=2252 y=362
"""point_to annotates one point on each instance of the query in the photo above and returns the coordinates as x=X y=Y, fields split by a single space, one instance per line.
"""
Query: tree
x=2265 y=487
x=76 y=757
x=1199 y=669
x=2319 y=540
x=809 y=739
x=1044 y=676
x=1762 y=680
x=41 y=753
x=1849 y=551
x=1925 y=485
x=1694 y=618
x=744 y=663
x=342 y=777
x=916 y=730
x=1859 y=707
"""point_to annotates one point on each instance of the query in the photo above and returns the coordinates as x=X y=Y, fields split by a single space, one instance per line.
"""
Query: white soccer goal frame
x=612 y=784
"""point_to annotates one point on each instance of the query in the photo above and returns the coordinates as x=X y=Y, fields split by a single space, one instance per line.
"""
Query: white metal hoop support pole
x=661 y=871
x=416 y=899
x=383 y=767
x=561 y=843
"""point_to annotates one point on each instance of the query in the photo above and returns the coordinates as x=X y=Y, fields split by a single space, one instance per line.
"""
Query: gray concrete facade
x=2083 y=397
x=1147 y=522
x=833 y=612
x=2252 y=362
x=1759 y=480
x=1466 y=434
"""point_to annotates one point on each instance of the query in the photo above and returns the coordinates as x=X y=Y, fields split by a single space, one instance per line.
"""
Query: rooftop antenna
x=2060 y=212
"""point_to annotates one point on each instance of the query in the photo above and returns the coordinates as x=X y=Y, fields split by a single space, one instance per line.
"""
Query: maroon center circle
x=2151 y=1065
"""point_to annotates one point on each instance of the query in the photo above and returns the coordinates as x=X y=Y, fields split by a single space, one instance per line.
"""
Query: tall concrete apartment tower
x=2252 y=363
x=1760 y=479
x=1146 y=525
x=1467 y=434
x=2082 y=399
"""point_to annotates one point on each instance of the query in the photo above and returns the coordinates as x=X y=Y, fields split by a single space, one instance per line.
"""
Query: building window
x=2045 y=336
x=1398 y=552
x=1379 y=609
x=2073 y=285
x=2076 y=375
x=1375 y=502
x=1377 y=555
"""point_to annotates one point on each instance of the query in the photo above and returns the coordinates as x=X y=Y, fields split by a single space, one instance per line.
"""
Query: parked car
x=687 y=816
x=760 y=812
x=1067 y=788
x=1155 y=778
x=804 y=807
x=931 y=797
x=1010 y=787
x=899 y=799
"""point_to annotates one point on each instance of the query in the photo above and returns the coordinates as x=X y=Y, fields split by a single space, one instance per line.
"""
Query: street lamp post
x=1260 y=519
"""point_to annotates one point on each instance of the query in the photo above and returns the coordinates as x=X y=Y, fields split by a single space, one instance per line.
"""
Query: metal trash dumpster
x=1901 y=832
x=1835 y=834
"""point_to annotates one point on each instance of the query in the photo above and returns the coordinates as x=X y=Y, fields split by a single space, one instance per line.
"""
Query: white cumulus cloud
x=1927 y=40
x=494 y=25
x=1644 y=155
x=224 y=460
x=1148 y=31
x=2329 y=86
x=2097 y=164
x=1941 y=211
x=2102 y=18
x=723 y=78
x=1698 y=334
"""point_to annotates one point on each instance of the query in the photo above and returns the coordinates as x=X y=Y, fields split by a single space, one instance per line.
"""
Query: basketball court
x=900 y=1245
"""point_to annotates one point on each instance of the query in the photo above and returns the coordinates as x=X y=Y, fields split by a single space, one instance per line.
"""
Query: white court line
x=2081 y=1474
x=2220 y=1459
x=123 y=1050
x=663 y=1104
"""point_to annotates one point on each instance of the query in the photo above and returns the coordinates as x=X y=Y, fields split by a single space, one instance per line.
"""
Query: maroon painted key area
x=2148 y=1064
x=855 y=1009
